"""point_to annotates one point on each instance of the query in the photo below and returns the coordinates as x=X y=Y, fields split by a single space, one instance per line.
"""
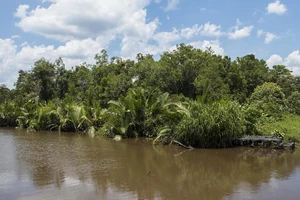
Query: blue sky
x=78 y=29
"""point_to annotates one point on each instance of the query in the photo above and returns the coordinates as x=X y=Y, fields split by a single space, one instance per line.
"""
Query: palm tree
x=120 y=118
x=142 y=113
x=94 y=118
x=70 y=115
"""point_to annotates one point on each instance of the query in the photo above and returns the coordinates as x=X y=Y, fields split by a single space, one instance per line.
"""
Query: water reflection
x=71 y=166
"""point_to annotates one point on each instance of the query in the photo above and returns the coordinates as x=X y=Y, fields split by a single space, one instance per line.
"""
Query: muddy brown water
x=48 y=165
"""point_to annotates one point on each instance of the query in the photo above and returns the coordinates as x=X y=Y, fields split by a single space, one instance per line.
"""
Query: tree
x=269 y=98
x=141 y=113
x=79 y=83
x=283 y=77
x=212 y=77
x=61 y=79
x=43 y=76
x=4 y=93
x=246 y=74
x=294 y=102
x=26 y=88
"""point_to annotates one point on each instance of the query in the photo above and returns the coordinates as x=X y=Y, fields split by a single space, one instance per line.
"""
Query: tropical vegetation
x=195 y=97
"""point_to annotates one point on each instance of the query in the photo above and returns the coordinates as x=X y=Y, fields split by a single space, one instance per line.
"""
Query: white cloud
x=274 y=60
x=191 y=32
x=203 y=9
x=240 y=33
x=7 y=52
x=270 y=37
x=172 y=5
x=211 y=30
x=208 y=30
x=276 y=8
x=8 y=73
x=238 y=22
x=15 y=36
x=83 y=34
x=236 y=33
x=292 y=61
x=260 y=33
x=165 y=39
x=21 y=11
x=132 y=45
x=65 y=20
x=204 y=45
x=73 y=53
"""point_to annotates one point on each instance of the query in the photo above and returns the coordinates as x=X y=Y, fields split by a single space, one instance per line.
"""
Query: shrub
x=252 y=117
x=269 y=98
x=211 y=125
x=294 y=102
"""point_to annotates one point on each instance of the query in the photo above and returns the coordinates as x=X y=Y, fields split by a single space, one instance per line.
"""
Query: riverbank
x=288 y=127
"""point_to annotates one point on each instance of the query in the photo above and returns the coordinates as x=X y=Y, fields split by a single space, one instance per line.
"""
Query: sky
x=76 y=30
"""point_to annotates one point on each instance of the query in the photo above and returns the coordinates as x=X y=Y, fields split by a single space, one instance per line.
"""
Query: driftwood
x=180 y=144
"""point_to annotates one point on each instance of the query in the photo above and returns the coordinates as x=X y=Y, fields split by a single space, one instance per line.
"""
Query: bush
x=211 y=125
x=269 y=98
x=8 y=114
x=294 y=103
x=252 y=117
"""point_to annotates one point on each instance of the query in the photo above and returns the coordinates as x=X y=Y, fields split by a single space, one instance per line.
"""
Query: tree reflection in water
x=134 y=169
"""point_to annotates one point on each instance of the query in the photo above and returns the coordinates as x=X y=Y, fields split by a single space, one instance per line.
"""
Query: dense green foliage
x=211 y=125
x=194 y=96
x=269 y=98
x=287 y=127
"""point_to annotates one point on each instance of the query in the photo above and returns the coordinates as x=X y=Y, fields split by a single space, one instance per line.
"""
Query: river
x=49 y=165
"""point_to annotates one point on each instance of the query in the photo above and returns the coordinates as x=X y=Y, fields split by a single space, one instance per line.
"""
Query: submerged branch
x=180 y=144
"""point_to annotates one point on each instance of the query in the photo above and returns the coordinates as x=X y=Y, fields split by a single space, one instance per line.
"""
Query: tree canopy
x=146 y=96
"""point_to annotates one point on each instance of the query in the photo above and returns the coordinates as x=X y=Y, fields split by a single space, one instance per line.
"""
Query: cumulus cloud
x=292 y=61
x=274 y=60
x=276 y=8
x=240 y=33
x=8 y=70
x=65 y=20
x=21 y=11
x=73 y=53
x=209 y=30
x=236 y=32
x=191 y=31
x=270 y=37
x=167 y=40
x=83 y=34
x=204 y=45
x=260 y=33
x=172 y=5
x=7 y=52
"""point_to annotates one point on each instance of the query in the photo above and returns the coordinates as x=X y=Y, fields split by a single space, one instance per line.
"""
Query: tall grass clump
x=211 y=125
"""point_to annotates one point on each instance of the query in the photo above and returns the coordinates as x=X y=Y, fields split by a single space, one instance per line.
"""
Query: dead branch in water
x=180 y=144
